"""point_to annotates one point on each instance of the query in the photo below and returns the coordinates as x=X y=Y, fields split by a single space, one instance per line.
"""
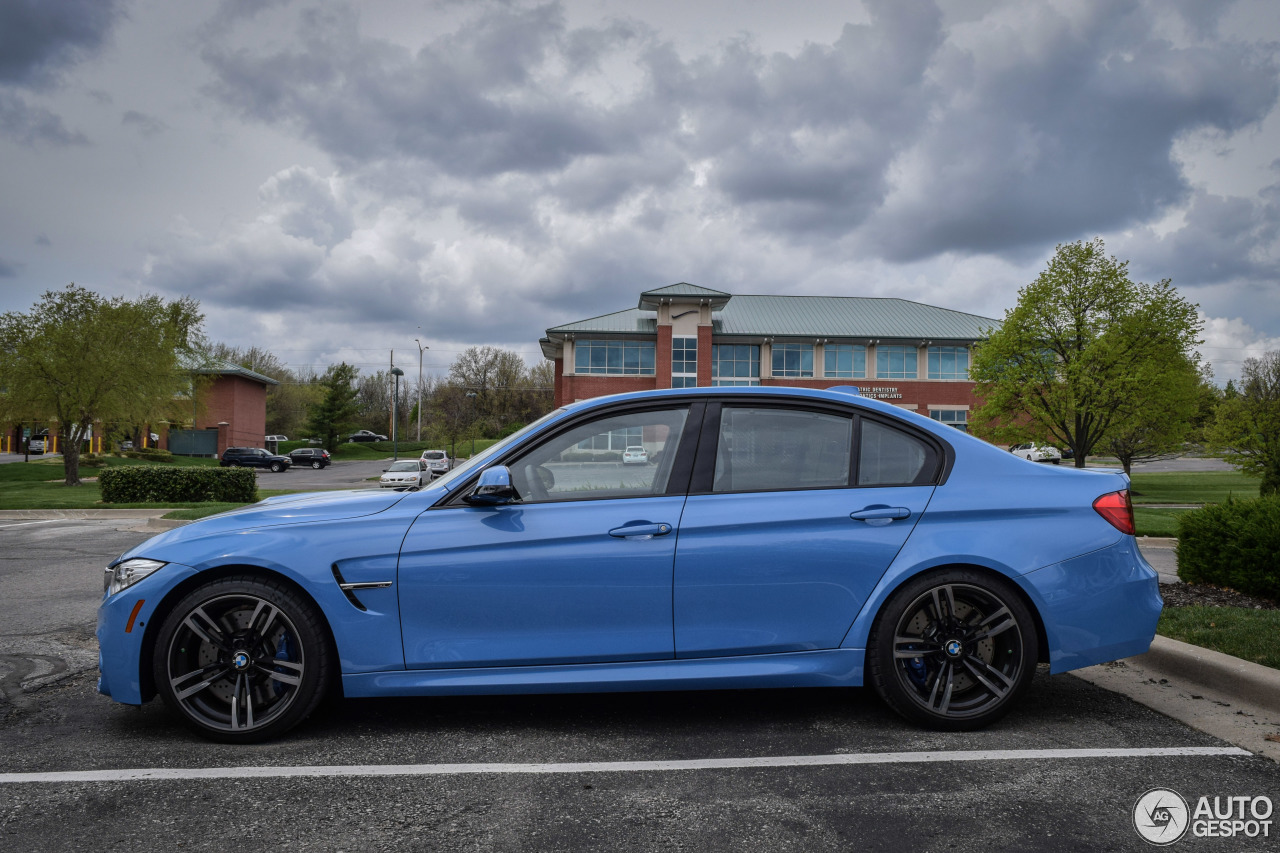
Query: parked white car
x=635 y=456
x=405 y=474
x=1037 y=452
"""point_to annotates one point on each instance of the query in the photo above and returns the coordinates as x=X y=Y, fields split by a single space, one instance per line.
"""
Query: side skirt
x=829 y=668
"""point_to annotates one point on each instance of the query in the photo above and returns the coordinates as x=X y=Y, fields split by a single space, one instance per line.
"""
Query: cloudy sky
x=332 y=180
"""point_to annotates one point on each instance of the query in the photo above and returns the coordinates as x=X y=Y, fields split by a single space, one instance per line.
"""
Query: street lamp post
x=395 y=417
x=421 y=347
x=471 y=395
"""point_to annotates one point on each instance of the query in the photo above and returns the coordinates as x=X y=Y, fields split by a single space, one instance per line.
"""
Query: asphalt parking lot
x=766 y=770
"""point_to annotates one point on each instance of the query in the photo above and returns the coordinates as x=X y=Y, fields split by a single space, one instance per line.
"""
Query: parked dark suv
x=316 y=457
x=254 y=457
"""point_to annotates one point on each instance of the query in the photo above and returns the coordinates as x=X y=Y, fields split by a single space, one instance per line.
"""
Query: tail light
x=1116 y=508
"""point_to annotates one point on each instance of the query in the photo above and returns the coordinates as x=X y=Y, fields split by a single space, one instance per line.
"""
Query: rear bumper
x=1098 y=607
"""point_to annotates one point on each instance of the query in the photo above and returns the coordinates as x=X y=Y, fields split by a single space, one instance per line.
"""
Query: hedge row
x=1235 y=544
x=154 y=454
x=156 y=484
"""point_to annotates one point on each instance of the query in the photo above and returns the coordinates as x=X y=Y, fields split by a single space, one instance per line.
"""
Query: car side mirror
x=493 y=488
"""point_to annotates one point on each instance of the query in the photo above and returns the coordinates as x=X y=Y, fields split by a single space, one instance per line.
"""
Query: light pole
x=421 y=347
x=472 y=396
x=395 y=417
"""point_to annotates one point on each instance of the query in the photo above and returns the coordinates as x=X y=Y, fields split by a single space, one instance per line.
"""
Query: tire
x=242 y=659
x=317 y=465
x=277 y=467
x=975 y=649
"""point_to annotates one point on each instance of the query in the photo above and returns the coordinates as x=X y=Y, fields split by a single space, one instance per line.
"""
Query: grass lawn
x=1192 y=487
x=1152 y=521
x=1247 y=634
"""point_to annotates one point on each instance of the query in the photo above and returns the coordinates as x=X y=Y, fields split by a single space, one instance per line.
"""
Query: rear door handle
x=643 y=530
x=879 y=515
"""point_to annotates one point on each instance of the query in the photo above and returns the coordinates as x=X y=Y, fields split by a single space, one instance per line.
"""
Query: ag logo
x=1161 y=816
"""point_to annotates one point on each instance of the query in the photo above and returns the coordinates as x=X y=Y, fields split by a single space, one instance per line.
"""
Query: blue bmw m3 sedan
x=775 y=537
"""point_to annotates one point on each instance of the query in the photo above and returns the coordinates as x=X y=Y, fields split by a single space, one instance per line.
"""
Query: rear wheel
x=242 y=659
x=317 y=464
x=953 y=650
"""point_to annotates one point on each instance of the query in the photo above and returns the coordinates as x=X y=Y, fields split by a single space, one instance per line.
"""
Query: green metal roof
x=219 y=367
x=683 y=289
x=810 y=317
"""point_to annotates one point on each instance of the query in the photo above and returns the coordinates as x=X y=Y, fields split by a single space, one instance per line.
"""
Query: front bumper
x=121 y=646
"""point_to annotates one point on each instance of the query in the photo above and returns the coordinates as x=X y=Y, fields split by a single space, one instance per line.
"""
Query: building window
x=794 y=361
x=735 y=364
x=617 y=439
x=948 y=363
x=614 y=358
x=684 y=362
x=844 y=361
x=958 y=418
x=895 y=362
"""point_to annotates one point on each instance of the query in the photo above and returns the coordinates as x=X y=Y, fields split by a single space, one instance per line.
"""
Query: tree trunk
x=71 y=455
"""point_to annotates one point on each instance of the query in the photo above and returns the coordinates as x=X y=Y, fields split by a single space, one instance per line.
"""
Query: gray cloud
x=9 y=269
x=143 y=123
x=32 y=125
x=38 y=40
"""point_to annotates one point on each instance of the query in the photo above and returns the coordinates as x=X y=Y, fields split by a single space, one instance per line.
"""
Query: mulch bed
x=1204 y=595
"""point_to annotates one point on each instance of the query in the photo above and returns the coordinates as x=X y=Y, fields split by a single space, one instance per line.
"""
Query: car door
x=794 y=513
x=578 y=570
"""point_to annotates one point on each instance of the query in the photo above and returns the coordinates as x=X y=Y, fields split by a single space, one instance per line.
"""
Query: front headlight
x=126 y=574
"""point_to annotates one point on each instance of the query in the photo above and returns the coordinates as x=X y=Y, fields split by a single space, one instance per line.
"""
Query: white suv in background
x=437 y=461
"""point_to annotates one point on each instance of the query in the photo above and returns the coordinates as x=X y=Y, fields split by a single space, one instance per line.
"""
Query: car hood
x=284 y=509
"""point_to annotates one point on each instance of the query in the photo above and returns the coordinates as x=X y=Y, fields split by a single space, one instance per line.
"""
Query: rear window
x=433 y=455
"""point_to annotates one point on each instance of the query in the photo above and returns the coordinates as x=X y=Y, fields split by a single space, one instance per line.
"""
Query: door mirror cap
x=493 y=488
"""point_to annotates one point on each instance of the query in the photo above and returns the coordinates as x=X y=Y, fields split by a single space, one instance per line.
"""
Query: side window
x=766 y=449
x=889 y=457
x=588 y=460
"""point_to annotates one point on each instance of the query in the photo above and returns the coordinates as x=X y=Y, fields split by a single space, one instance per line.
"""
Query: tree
x=1166 y=404
x=1073 y=359
x=1246 y=429
x=79 y=359
x=336 y=412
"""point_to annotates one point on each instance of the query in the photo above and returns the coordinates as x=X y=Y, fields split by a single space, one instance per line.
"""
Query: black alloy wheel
x=953 y=650
x=242 y=659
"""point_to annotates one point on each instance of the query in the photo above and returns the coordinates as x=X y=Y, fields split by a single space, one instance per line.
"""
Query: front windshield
x=484 y=456
x=404 y=466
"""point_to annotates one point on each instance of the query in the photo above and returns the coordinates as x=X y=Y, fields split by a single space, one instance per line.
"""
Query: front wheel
x=242 y=659
x=277 y=467
x=953 y=650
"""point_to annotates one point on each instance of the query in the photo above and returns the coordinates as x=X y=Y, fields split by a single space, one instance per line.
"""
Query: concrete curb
x=1251 y=682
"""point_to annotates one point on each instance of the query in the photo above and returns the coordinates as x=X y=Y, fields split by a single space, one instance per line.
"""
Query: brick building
x=231 y=405
x=912 y=355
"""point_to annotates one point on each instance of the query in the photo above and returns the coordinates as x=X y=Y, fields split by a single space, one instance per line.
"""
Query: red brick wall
x=922 y=394
x=242 y=404
x=662 y=360
x=570 y=388
x=704 y=356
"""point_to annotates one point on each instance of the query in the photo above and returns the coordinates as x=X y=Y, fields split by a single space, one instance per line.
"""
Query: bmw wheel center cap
x=240 y=660
x=953 y=648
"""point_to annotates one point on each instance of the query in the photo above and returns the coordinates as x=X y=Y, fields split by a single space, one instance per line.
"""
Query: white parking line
x=165 y=773
x=28 y=523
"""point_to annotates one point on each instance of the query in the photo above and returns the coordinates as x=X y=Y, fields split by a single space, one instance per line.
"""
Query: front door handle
x=880 y=515
x=640 y=530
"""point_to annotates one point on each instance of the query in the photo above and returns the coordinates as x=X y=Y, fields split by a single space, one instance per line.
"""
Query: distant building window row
x=614 y=358
x=739 y=364
x=958 y=418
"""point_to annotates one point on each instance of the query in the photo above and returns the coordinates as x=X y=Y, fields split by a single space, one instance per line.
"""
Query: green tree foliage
x=1246 y=428
x=1165 y=406
x=336 y=413
x=1076 y=358
x=78 y=359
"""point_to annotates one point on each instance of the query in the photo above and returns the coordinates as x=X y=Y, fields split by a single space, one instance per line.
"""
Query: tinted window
x=889 y=457
x=765 y=449
x=586 y=461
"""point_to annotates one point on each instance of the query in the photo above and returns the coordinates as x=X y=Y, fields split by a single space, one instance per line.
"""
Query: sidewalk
x=147 y=519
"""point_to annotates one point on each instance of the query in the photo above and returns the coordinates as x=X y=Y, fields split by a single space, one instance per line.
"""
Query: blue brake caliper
x=284 y=651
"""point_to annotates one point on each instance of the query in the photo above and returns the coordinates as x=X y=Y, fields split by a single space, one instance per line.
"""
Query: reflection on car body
x=777 y=537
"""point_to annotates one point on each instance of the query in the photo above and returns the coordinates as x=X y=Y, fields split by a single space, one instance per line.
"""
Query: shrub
x=151 y=454
x=155 y=484
x=92 y=460
x=1235 y=544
